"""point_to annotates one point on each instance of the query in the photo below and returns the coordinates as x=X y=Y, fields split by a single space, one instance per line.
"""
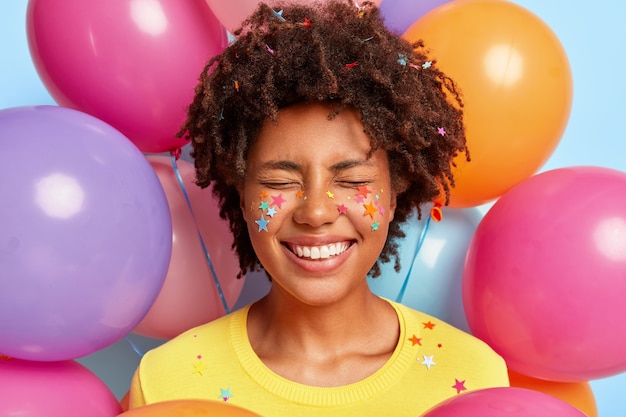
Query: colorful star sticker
x=381 y=210
x=263 y=194
x=300 y=194
x=278 y=200
x=330 y=194
x=369 y=209
x=262 y=223
x=342 y=209
x=429 y=325
x=441 y=131
x=415 y=340
x=375 y=226
x=199 y=367
x=225 y=394
x=264 y=205
x=363 y=190
x=271 y=211
x=459 y=386
x=428 y=361
x=359 y=198
x=427 y=64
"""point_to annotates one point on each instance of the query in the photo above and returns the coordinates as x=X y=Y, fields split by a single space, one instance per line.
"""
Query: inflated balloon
x=131 y=63
x=578 y=394
x=201 y=283
x=399 y=15
x=53 y=389
x=545 y=275
x=233 y=12
x=517 y=87
x=85 y=230
x=432 y=256
x=189 y=408
x=503 y=402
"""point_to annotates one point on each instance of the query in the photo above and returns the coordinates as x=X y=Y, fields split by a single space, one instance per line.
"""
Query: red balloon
x=131 y=63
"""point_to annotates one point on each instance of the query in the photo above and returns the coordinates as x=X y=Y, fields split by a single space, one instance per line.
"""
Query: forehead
x=306 y=132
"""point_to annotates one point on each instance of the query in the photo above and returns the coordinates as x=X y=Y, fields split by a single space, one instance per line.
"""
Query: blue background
x=593 y=35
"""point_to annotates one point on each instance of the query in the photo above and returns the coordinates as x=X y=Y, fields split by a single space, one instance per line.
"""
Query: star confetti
x=429 y=325
x=359 y=198
x=342 y=209
x=262 y=223
x=270 y=50
x=351 y=65
x=427 y=64
x=375 y=226
x=415 y=340
x=199 y=367
x=236 y=85
x=278 y=200
x=225 y=394
x=306 y=23
x=363 y=190
x=369 y=209
x=428 y=361
x=441 y=131
x=300 y=194
x=263 y=194
x=271 y=211
x=330 y=194
x=459 y=386
x=402 y=59
x=264 y=205
x=278 y=15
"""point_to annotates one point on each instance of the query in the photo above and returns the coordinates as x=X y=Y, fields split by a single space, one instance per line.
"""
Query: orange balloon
x=577 y=394
x=516 y=84
x=189 y=408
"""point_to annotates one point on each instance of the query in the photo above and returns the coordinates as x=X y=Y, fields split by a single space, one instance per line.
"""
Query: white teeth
x=319 y=252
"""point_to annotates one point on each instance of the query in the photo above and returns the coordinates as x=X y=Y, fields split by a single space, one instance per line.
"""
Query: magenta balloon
x=53 y=389
x=399 y=15
x=503 y=402
x=545 y=277
x=85 y=234
x=131 y=63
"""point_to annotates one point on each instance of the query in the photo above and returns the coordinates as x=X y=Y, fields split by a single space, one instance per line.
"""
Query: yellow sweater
x=432 y=362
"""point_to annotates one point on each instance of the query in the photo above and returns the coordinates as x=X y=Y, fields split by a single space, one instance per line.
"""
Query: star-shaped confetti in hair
x=300 y=194
x=369 y=209
x=271 y=211
x=262 y=223
x=429 y=325
x=415 y=340
x=236 y=85
x=375 y=226
x=199 y=367
x=351 y=65
x=278 y=200
x=427 y=64
x=428 y=361
x=225 y=394
x=342 y=209
x=441 y=131
x=402 y=59
x=459 y=386
x=278 y=15
x=330 y=194
x=270 y=50
x=264 y=205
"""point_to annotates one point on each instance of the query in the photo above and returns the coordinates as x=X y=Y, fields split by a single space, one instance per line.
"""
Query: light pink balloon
x=503 y=402
x=545 y=277
x=53 y=389
x=131 y=63
x=189 y=296
x=233 y=12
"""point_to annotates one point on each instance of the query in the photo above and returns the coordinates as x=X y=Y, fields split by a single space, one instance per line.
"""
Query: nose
x=316 y=208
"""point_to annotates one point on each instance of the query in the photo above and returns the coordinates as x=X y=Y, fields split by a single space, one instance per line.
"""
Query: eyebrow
x=287 y=165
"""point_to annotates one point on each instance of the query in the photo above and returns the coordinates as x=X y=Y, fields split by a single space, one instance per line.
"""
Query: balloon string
x=420 y=242
x=204 y=248
x=135 y=347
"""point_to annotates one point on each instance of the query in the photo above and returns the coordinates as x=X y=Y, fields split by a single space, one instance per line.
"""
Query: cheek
x=267 y=208
x=367 y=206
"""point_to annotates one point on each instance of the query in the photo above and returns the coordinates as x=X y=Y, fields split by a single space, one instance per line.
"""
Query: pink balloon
x=53 y=389
x=189 y=296
x=545 y=276
x=233 y=12
x=503 y=402
x=131 y=63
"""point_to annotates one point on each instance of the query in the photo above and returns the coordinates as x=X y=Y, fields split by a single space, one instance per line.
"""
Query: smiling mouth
x=319 y=252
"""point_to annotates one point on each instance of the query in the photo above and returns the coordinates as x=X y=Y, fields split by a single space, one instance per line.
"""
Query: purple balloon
x=399 y=15
x=85 y=234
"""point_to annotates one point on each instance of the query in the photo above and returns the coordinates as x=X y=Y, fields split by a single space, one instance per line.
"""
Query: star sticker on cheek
x=375 y=226
x=370 y=209
x=264 y=205
x=278 y=200
x=330 y=194
x=271 y=211
x=342 y=209
x=262 y=223
x=359 y=198
x=363 y=190
x=263 y=194
x=300 y=194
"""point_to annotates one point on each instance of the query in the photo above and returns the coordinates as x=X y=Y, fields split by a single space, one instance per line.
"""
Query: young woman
x=320 y=132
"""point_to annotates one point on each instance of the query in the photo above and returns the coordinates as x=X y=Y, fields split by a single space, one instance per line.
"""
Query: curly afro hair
x=333 y=52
